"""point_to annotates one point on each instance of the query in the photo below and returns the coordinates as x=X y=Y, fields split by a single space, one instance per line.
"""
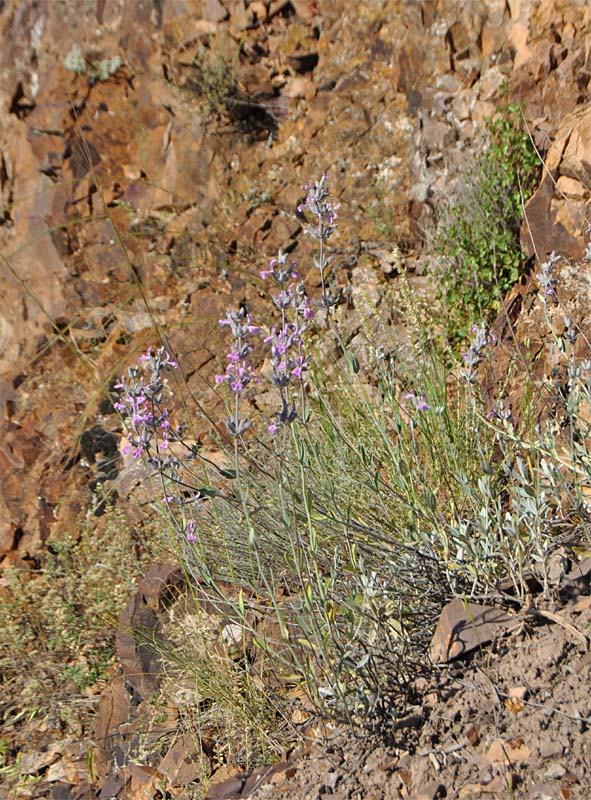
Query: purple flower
x=474 y=355
x=240 y=323
x=284 y=299
x=140 y=399
x=190 y=531
x=420 y=403
x=238 y=372
x=284 y=417
x=238 y=376
x=499 y=412
x=319 y=204
x=546 y=275
x=288 y=361
x=148 y=425
x=302 y=363
x=282 y=271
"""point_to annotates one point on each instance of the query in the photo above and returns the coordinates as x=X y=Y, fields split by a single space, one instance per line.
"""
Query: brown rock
x=551 y=749
x=512 y=751
x=580 y=572
x=568 y=158
x=214 y=11
x=473 y=735
x=180 y=765
x=146 y=781
x=229 y=788
x=114 y=711
x=432 y=791
x=464 y=628
x=139 y=628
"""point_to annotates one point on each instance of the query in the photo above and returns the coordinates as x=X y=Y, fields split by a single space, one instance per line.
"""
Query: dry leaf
x=514 y=705
x=473 y=735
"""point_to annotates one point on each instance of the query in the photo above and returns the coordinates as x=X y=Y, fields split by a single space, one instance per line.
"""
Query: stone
x=231 y=787
x=580 y=572
x=432 y=791
x=138 y=634
x=518 y=692
x=181 y=764
x=512 y=751
x=466 y=627
x=214 y=11
x=555 y=771
x=550 y=749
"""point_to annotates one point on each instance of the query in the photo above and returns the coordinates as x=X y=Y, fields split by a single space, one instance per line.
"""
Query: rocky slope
x=151 y=160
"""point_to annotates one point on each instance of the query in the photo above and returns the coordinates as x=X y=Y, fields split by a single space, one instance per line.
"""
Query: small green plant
x=100 y=70
x=479 y=235
x=215 y=78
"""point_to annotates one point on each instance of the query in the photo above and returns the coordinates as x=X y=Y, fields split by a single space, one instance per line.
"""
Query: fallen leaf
x=473 y=735
x=514 y=705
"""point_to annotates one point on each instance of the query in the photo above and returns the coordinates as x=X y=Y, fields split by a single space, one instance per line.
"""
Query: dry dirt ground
x=511 y=722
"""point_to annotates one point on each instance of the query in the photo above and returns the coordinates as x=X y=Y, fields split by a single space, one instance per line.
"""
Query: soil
x=513 y=722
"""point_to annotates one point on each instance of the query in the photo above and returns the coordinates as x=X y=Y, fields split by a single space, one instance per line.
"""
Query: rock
x=509 y=752
x=436 y=135
x=466 y=627
x=114 y=711
x=433 y=791
x=551 y=749
x=214 y=11
x=518 y=692
x=181 y=764
x=231 y=787
x=580 y=572
x=138 y=634
x=555 y=771
x=549 y=226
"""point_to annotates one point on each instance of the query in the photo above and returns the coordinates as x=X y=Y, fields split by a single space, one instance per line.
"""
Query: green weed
x=100 y=70
x=215 y=78
x=479 y=234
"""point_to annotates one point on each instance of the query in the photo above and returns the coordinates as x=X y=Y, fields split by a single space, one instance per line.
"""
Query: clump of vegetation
x=372 y=497
x=58 y=622
x=215 y=78
x=213 y=681
x=98 y=70
x=479 y=234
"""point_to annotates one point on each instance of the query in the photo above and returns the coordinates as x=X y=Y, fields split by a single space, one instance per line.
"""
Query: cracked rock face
x=118 y=187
